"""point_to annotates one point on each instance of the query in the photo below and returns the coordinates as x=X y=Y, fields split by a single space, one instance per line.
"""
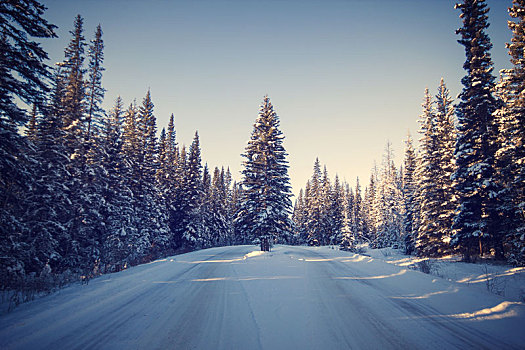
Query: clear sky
x=344 y=76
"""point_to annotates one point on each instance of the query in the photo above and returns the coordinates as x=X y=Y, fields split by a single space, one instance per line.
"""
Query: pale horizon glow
x=344 y=76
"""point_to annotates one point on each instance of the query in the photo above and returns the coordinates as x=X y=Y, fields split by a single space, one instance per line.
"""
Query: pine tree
x=94 y=90
x=74 y=104
x=409 y=194
x=445 y=140
x=387 y=202
x=154 y=233
x=511 y=154
x=326 y=219
x=179 y=205
x=428 y=241
x=474 y=178
x=193 y=232
x=266 y=205
x=234 y=210
x=359 y=229
x=24 y=76
x=299 y=219
x=349 y=235
x=49 y=201
x=119 y=212
x=207 y=211
x=314 y=206
x=337 y=214
x=219 y=197
x=371 y=206
x=71 y=107
x=23 y=72
x=229 y=206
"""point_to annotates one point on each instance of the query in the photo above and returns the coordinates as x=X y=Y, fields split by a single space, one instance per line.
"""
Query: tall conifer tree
x=23 y=75
x=474 y=179
x=266 y=205
x=511 y=154
x=409 y=194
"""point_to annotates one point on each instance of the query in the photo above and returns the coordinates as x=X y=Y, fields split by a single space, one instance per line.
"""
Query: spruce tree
x=371 y=207
x=74 y=102
x=194 y=194
x=154 y=233
x=299 y=219
x=409 y=194
x=325 y=200
x=359 y=229
x=180 y=204
x=387 y=202
x=428 y=241
x=49 y=201
x=23 y=75
x=313 y=201
x=474 y=178
x=119 y=212
x=445 y=140
x=207 y=205
x=337 y=212
x=94 y=90
x=23 y=72
x=511 y=154
x=266 y=205
x=219 y=194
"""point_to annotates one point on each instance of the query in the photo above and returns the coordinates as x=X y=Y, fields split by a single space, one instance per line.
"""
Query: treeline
x=86 y=192
x=463 y=190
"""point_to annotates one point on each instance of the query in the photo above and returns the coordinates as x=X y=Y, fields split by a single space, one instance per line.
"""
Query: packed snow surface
x=289 y=298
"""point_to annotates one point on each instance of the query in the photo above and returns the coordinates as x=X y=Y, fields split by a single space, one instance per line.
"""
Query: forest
x=86 y=191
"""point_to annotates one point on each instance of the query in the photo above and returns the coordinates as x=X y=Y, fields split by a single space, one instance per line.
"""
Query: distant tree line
x=463 y=190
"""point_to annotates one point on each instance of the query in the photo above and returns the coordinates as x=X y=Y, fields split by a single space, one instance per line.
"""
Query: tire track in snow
x=444 y=329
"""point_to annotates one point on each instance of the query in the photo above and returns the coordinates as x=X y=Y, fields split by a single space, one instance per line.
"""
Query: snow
x=291 y=297
x=503 y=280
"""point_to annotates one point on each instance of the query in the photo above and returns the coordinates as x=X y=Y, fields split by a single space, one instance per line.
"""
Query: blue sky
x=344 y=76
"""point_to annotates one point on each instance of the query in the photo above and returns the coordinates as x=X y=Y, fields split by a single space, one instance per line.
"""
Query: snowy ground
x=290 y=298
x=488 y=276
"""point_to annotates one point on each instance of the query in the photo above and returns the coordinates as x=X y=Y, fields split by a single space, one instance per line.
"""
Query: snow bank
x=500 y=279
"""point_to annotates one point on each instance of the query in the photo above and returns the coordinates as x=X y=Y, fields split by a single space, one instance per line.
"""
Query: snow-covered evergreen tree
x=23 y=75
x=194 y=193
x=299 y=219
x=511 y=154
x=428 y=241
x=74 y=101
x=266 y=204
x=445 y=140
x=359 y=227
x=221 y=225
x=337 y=212
x=476 y=221
x=234 y=209
x=350 y=227
x=119 y=212
x=409 y=197
x=23 y=72
x=94 y=90
x=314 y=208
x=49 y=201
x=325 y=201
x=388 y=203
x=371 y=206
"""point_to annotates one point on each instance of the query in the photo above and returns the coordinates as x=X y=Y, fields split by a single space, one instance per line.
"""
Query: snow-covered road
x=290 y=298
